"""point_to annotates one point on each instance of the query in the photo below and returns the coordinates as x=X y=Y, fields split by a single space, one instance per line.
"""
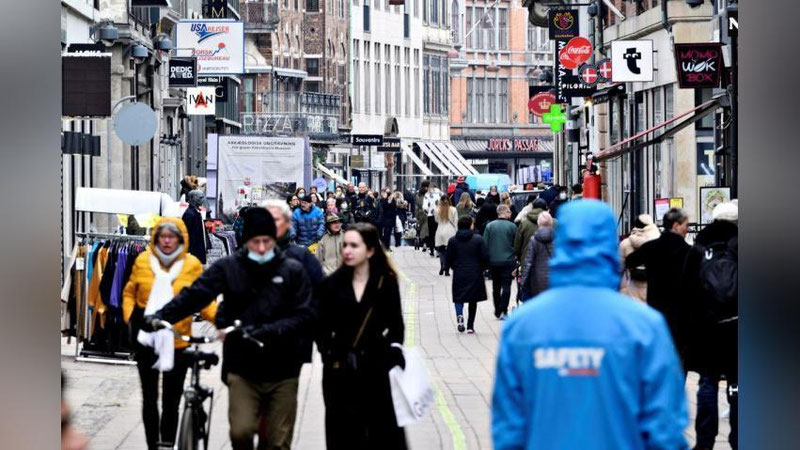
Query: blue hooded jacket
x=581 y=366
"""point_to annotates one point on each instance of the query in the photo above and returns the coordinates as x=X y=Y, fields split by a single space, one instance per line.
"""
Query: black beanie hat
x=258 y=222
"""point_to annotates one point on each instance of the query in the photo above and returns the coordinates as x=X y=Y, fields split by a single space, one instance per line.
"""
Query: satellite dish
x=135 y=123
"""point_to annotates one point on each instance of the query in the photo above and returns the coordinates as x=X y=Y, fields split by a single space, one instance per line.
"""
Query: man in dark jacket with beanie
x=198 y=240
x=272 y=297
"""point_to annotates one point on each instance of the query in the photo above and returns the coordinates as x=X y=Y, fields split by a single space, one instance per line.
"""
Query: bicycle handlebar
x=159 y=324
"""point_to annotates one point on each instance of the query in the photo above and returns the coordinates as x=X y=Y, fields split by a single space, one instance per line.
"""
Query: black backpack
x=719 y=278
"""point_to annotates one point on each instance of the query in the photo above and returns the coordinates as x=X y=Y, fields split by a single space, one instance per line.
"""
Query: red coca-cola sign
x=540 y=103
x=577 y=51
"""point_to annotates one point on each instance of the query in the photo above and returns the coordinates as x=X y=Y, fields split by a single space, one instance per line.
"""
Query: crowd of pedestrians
x=316 y=268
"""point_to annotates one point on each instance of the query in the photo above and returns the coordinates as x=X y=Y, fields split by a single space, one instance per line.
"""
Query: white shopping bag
x=412 y=390
x=398 y=225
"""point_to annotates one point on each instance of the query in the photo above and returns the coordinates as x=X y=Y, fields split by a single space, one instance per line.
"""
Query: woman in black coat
x=468 y=256
x=360 y=318
x=387 y=216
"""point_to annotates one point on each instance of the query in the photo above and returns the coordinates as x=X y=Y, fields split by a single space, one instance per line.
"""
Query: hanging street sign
x=604 y=70
x=555 y=118
x=367 y=139
x=577 y=51
x=135 y=123
x=699 y=65
x=632 y=60
x=563 y=24
x=589 y=74
x=390 y=144
x=201 y=101
x=182 y=72
x=540 y=103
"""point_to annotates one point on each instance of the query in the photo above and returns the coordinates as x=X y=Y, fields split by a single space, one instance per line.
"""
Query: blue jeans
x=473 y=311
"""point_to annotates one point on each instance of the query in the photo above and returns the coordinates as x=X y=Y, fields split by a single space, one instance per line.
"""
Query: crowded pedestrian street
x=106 y=399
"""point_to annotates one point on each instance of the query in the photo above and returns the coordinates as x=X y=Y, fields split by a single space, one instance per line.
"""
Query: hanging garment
x=94 y=298
x=160 y=294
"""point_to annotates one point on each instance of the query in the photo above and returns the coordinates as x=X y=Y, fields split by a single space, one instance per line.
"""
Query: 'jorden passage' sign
x=699 y=65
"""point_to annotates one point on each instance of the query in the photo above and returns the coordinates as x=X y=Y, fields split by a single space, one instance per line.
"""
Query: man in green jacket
x=499 y=236
x=527 y=228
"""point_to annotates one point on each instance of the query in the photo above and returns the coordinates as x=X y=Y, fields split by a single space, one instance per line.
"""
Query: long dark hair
x=423 y=189
x=379 y=262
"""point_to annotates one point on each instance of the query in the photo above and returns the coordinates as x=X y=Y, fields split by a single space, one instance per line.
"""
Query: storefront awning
x=462 y=166
x=630 y=145
x=290 y=73
x=433 y=157
x=418 y=162
x=331 y=174
x=495 y=147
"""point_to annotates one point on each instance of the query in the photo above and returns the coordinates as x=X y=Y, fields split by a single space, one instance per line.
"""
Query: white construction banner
x=218 y=45
x=251 y=169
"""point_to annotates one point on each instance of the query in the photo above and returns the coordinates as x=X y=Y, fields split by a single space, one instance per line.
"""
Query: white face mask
x=562 y=196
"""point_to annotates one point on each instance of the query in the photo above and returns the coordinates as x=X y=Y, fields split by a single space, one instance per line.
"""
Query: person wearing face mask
x=158 y=274
x=559 y=200
x=271 y=295
x=345 y=213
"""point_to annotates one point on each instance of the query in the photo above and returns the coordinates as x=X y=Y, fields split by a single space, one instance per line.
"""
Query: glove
x=396 y=357
x=150 y=324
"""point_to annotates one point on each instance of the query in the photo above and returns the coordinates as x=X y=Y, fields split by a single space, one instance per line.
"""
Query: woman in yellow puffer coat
x=158 y=275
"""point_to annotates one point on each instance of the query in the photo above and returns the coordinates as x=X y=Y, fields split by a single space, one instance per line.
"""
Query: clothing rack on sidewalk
x=81 y=353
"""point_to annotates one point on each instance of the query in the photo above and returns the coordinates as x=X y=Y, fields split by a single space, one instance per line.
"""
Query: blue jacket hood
x=585 y=251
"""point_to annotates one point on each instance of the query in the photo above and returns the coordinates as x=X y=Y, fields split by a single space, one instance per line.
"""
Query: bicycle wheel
x=188 y=435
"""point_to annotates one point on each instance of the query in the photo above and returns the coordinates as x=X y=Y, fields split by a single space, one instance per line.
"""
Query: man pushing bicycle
x=271 y=296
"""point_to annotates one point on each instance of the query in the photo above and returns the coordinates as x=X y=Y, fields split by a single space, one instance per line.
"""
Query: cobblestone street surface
x=106 y=398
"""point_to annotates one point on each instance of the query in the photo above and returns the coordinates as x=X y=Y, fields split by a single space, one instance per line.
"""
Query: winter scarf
x=161 y=341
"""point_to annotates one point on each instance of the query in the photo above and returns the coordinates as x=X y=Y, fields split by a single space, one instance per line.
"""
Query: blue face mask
x=261 y=259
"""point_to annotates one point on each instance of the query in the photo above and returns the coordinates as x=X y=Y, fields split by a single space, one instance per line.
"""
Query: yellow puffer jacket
x=137 y=291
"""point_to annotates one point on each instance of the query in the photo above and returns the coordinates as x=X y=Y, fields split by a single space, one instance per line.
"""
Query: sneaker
x=471 y=331
x=447 y=273
x=460 y=320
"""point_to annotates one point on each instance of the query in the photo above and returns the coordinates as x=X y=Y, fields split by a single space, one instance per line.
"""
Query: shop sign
x=220 y=86
x=706 y=159
x=632 y=60
x=367 y=139
x=182 y=72
x=513 y=144
x=201 y=101
x=318 y=126
x=357 y=161
x=218 y=45
x=577 y=51
x=540 y=103
x=563 y=24
x=699 y=65
x=215 y=9
x=555 y=118
x=573 y=86
x=86 y=85
x=390 y=144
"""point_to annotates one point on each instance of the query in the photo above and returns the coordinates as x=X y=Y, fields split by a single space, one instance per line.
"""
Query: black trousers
x=170 y=395
x=432 y=227
x=359 y=413
x=501 y=287
x=386 y=236
x=472 y=308
x=442 y=250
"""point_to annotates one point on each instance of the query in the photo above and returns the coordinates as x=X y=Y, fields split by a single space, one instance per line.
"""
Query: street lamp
x=138 y=52
x=104 y=32
x=163 y=42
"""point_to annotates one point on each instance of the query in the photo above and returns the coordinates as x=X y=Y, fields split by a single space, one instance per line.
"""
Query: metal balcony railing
x=260 y=16
x=301 y=102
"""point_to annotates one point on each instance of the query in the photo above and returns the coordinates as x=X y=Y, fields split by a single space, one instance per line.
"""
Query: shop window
x=701 y=96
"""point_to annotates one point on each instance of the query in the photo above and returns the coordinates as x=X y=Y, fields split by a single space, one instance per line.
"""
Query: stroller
x=411 y=231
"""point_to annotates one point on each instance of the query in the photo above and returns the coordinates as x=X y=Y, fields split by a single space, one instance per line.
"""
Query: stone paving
x=106 y=398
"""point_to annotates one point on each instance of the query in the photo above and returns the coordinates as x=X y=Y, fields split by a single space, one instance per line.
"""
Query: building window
x=312 y=67
x=491 y=32
x=701 y=96
x=425 y=11
x=445 y=86
x=444 y=13
x=503 y=100
x=378 y=78
x=480 y=101
x=249 y=95
x=312 y=5
x=434 y=12
x=366 y=15
x=426 y=82
x=397 y=103
x=455 y=24
x=468 y=26
x=387 y=53
x=436 y=91
x=408 y=90
x=503 y=28
x=406 y=25
x=479 y=30
x=356 y=78
x=491 y=93
x=470 y=99
x=312 y=86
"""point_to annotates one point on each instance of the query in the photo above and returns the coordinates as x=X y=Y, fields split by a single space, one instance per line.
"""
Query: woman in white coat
x=446 y=221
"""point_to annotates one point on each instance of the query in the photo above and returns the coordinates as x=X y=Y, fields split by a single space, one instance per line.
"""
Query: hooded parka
x=137 y=290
